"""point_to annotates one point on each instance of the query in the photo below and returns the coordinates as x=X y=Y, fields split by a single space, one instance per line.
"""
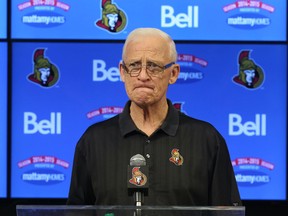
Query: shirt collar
x=169 y=126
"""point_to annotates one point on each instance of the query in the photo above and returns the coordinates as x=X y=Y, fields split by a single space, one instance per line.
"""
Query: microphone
x=137 y=181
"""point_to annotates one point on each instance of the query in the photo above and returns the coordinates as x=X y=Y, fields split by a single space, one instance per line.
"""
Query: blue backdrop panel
x=183 y=20
x=239 y=88
x=3 y=117
x=3 y=19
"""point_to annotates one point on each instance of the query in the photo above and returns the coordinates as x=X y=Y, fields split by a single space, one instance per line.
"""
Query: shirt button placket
x=148 y=154
x=147 y=149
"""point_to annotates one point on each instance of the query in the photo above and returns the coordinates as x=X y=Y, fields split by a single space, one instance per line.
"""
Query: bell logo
x=45 y=126
x=100 y=73
x=249 y=128
x=181 y=20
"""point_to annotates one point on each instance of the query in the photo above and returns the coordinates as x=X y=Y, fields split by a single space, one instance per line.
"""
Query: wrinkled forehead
x=155 y=47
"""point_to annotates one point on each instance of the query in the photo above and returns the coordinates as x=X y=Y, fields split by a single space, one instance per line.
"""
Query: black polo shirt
x=201 y=174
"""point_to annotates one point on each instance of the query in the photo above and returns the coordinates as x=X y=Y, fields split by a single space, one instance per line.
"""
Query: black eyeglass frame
x=162 y=67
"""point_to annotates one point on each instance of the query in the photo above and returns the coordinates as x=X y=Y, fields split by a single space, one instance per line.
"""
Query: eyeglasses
x=152 y=68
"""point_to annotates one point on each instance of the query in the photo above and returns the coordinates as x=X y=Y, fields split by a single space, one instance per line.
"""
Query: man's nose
x=144 y=73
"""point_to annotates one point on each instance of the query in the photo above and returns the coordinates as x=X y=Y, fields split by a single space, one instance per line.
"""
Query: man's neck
x=148 y=118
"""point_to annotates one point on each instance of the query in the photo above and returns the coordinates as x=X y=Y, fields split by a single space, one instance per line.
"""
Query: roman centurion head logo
x=138 y=178
x=113 y=19
x=45 y=73
x=176 y=157
x=250 y=74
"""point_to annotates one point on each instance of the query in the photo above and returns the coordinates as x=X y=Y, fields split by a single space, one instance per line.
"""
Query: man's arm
x=81 y=191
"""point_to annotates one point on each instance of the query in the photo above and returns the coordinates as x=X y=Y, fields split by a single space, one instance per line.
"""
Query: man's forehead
x=140 y=53
x=146 y=48
x=152 y=41
x=143 y=49
x=137 y=48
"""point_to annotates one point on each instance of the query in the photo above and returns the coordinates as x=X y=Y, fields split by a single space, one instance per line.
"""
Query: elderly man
x=188 y=160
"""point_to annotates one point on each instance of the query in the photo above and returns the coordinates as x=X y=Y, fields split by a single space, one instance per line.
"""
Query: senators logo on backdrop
x=250 y=74
x=45 y=72
x=179 y=106
x=113 y=19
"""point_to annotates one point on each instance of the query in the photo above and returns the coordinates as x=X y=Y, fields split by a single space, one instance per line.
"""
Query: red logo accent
x=176 y=158
x=138 y=178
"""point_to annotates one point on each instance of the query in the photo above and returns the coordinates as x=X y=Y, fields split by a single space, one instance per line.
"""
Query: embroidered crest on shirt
x=138 y=178
x=176 y=157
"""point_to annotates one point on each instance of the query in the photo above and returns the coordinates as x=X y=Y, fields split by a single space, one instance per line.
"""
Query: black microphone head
x=137 y=160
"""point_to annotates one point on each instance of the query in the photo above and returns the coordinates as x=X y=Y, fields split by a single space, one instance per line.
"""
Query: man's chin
x=143 y=102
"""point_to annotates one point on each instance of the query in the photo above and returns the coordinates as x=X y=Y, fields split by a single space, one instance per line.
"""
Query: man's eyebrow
x=154 y=62
x=134 y=61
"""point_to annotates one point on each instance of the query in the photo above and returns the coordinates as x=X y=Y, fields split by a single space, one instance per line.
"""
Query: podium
x=89 y=210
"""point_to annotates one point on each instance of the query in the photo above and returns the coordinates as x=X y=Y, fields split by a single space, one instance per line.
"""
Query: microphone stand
x=136 y=162
x=138 y=202
x=138 y=198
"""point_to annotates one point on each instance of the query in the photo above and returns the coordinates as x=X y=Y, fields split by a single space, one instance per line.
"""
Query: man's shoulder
x=185 y=117
x=99 y=133
x=194 y=122
x=199 y=127
x=103 y=125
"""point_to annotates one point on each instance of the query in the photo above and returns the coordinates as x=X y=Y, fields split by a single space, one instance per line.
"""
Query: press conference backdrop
x=3 y=117
x=183 y=20
x=84 y=86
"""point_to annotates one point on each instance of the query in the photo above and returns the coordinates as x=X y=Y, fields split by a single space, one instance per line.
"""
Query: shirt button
x=148 y=156
x=148 y=141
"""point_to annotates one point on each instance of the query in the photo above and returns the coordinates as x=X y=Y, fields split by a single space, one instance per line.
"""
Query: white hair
x=154 y=32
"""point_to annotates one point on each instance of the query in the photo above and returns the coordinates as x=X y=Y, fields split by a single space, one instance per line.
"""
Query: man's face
x=145 y=89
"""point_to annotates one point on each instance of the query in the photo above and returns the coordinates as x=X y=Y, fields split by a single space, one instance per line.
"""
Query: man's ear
x=122 y=72
x=174 y=73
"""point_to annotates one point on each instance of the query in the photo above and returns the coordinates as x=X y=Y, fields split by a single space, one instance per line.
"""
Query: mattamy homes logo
x=44 y=13
x=191 y=68
x=45 y=171
x=251 y=171
x=248 y=14
x=105 y=112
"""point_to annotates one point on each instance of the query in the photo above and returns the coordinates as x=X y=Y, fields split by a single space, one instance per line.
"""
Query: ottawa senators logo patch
x=176 y=157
